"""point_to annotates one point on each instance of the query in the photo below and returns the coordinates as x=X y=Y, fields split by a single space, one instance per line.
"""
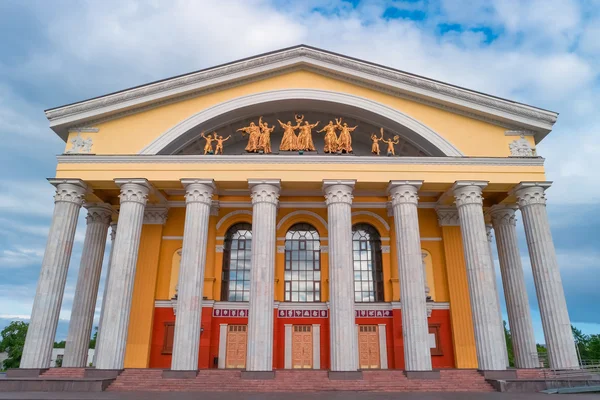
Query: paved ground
x=290 y=396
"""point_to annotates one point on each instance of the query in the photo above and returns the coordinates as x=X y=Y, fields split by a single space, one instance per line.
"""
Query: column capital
x=70 y=190
x=199 y=190
x=529 y=193
x=99 y=212
x=503 y=214
x=447 y=216
x=134 y=190
x=468 y=192
x=338 y=191
x=264 y=190
x=155 y=215
x=404 y=192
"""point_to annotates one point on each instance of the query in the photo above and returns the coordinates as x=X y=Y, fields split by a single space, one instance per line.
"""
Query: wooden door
x=236 y=346
x=368 y=347
x=302 y=347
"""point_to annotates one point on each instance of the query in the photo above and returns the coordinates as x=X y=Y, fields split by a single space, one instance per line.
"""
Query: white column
x=265 y=198
x=480 y=275
x=546 y=275
x=343 y=339
x=488 y=231
x=86 y=291
x=68 y=199
x=417 y=355
x=134 y=195
x=383 y=361
x=113 y=234
x=186 y=342
x=316 y=331
x=515 y=291
x=222 y=345
x=287 y=355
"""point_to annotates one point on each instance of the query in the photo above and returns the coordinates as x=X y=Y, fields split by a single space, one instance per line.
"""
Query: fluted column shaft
x=186 y=343
x=480 y=274
x=515 y=291
x=134 y=195
x=86 y=291
x=488 y=230
x=415 y=328
x=113 y=234
x=39 y=341
x=546 y=276
x=343 y=341
x=265 y=197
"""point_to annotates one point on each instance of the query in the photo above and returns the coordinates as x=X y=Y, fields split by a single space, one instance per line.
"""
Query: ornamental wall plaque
x=303 y=314
x=373 y=313
x=229 y=313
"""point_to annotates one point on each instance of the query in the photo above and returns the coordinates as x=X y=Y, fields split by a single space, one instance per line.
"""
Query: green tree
x=60 y=345
x=581 y=341
x=12 y=342
x=509 y=345
x=93 y=339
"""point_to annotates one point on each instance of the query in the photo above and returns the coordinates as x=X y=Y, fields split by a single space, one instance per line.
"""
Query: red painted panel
x=209 y=340
x=446 y=360
x=157 y=359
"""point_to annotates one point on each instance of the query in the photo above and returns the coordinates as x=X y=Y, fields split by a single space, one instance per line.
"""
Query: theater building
x=300 y=209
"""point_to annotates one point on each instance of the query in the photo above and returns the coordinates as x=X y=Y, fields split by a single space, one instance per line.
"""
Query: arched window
x=302 y=264
x=235 y=285
x=368 y=275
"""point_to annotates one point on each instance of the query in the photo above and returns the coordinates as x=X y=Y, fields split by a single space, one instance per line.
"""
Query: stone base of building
x=25 y=372
x=345 y=375
x=174 y=374
x=102 y=373
x=499 y=374
x=258 y=374
x=434 y=374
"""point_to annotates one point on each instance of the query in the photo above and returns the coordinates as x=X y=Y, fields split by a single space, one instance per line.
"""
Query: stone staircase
x=300 y=381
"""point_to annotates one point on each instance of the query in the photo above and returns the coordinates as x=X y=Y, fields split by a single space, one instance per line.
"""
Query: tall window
x=235 y=284
x=368 y=275
x=302 y=264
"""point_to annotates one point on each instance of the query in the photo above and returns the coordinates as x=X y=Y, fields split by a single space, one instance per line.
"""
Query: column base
x=502 y=374
x=179 y=374
x=25 y=372
x=102 y=373
x=259 y=375
x=433 y=374
x=345 y=375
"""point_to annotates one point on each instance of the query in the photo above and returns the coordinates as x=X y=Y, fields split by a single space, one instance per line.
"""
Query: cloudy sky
x=545 y=53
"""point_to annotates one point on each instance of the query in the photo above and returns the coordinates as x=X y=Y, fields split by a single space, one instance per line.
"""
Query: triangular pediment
x=509 y=114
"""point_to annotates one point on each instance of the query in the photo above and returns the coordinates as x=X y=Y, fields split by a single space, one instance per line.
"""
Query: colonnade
x=468 y=214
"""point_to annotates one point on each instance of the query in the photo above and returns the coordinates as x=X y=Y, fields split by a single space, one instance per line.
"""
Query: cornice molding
x=297 y=159
x=361 y=72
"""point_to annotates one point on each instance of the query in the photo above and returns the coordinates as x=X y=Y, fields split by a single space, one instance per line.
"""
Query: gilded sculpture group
x=259 y=138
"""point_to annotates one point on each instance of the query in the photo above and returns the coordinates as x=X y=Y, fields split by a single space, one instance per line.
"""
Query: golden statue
x=391 y=143
x=330 y=138
x=254 y=135
x=375 y=139
x=289 y=142
x=344 y=142
x=264 y=142
x=305 y=141
x=208 y=146
x=220 y=140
